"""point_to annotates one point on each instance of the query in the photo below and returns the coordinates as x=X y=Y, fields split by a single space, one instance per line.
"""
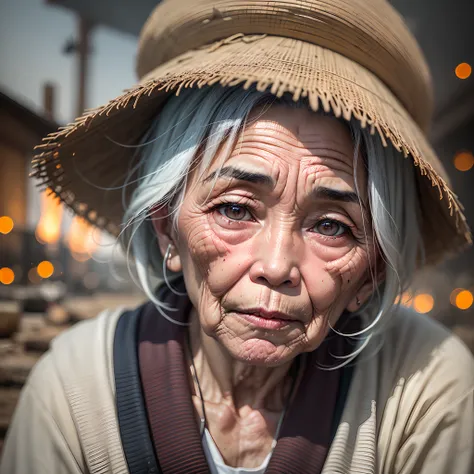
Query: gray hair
x=188 y=133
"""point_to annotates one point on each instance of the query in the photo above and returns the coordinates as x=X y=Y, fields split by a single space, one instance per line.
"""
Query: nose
x=276 y=262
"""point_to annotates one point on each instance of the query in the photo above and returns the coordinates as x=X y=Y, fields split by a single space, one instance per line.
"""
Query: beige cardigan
x=410 y=408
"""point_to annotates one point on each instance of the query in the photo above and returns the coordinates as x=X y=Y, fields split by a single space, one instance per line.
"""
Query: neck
x=224 y=380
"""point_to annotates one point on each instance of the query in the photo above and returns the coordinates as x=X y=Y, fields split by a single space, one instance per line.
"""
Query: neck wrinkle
x=234 y=383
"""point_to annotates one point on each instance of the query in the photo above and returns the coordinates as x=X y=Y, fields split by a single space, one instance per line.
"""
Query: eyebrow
x=242 y=175
x=335 y=195
x=320 y=192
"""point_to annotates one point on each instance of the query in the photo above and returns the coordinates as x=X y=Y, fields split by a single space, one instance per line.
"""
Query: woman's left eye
x=235 y=212
x=330 y=228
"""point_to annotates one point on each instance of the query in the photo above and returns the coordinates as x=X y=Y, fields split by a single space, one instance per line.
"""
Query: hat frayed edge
x=48 y=152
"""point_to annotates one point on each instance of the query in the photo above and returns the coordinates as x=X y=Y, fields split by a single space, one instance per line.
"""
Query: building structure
x=20 y=130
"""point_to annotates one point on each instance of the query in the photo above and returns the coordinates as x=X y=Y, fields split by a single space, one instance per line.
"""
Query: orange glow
x=7 y=276
x=405 y=299
x=464 y=161
x=454 y=294
x=80 y=240
x=464 y=299
x=48 y=229
x=45 y=269
x=6 y=225
x=80 y=257
x=463 y=70
x=423 y=303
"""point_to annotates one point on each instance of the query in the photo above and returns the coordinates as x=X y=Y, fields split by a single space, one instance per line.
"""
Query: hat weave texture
x=354 y=58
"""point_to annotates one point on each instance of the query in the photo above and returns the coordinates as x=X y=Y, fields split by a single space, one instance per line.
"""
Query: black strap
x=132 y=417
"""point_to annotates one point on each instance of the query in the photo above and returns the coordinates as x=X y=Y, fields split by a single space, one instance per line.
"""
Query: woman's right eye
x=235 y=212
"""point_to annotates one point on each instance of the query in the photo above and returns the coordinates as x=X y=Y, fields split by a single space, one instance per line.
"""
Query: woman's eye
x=330 y=228
x=235 y=212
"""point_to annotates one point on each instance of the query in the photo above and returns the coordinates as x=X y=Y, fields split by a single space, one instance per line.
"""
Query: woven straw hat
x=352 y=57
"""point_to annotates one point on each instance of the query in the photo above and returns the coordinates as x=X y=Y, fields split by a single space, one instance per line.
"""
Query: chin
x=261 y=352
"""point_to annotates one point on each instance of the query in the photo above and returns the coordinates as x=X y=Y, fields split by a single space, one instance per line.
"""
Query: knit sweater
x=410 y=407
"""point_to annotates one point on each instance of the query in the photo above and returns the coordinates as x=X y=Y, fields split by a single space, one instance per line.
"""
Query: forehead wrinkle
x=331 y=149
x=312 y=150
x=315 y=156
x=319 y=164
x=272 y=144
x=316 y=148
x=332 y=171
x=302 y=134
x=308 y=168
x=317 y=139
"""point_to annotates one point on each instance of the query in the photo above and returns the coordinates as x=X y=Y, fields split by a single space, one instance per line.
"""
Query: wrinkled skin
x=270 y=249
x=276 y=244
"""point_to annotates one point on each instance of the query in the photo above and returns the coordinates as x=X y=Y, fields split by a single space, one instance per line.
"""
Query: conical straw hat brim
x=87 y=163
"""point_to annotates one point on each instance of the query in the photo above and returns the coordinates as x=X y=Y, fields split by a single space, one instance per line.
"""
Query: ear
x=162 y=226
x=365 y=291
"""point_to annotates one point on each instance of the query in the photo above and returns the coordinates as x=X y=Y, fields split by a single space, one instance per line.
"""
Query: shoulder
x=95 y=333
x=410 y=402
x=425 y=392
x=78 y=358
x=66 y=406
x=80 y=362
x=414 y=367
x=86 y=348
x=426 y=378
x=416 y=346
x=77 y=350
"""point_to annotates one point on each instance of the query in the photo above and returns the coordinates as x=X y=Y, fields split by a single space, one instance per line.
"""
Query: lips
x=263 y=313
x=265 y=319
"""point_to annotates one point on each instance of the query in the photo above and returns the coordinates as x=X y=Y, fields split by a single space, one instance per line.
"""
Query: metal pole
x=83 y=46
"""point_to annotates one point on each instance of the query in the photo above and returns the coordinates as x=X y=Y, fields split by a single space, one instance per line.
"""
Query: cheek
x=332 y=284
x=197 y=242
x=213 y=262
x=218 y=257
x=332 y=273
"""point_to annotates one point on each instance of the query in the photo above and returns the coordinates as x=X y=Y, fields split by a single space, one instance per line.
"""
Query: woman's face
x=276 y=245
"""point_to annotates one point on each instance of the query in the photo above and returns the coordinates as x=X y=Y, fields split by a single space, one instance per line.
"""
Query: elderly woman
x=285 y=198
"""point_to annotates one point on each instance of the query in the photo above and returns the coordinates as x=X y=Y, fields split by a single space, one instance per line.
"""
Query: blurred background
x=58 y=57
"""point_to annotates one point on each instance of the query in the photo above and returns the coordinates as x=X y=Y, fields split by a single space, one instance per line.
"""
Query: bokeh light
x=6 y=225
x=80 y=257
x=423 y=303
x=463 y=70
x=454 y=294
x=463 y=161
x=405 y=299
x=7 y=276
x=45 y=269
x=80 y=240
x=33 y=276
x=464 y=299
x=48 y=229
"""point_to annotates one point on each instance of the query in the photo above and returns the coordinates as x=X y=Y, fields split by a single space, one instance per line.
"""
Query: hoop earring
x=165 y=276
